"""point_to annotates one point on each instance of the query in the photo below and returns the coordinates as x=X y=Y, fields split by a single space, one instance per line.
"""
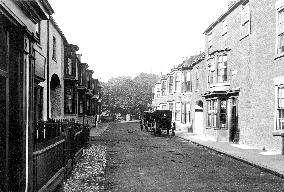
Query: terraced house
x=40 y=84
x=241 y=77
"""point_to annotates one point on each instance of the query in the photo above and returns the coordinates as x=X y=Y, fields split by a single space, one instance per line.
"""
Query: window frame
x=245 y=19
x=54 y=48
x=224 y=67
x=171 y=83
x=214 y=114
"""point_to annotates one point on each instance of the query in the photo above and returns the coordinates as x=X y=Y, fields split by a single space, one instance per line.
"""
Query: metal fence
x=57 y=146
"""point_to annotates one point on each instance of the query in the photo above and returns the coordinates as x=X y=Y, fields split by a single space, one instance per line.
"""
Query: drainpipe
x=47 y=68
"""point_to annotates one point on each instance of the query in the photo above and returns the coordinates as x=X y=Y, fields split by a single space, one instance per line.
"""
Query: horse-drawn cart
x=162 y=122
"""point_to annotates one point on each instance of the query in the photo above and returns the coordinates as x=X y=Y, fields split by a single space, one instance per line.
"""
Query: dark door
x=4 y=101
x=234 y=132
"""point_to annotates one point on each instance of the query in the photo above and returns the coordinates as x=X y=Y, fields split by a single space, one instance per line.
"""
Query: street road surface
x=138 y=161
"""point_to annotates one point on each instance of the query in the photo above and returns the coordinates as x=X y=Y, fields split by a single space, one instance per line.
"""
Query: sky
x=127 y=37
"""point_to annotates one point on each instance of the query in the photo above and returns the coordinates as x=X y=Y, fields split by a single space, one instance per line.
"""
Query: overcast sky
x=126 y=37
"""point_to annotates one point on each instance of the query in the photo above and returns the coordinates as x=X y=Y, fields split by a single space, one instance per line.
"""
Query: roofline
x=47 y=6
x=232 y=8
x=58 y=29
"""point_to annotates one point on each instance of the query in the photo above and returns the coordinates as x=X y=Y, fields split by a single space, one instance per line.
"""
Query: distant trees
x=125 y=95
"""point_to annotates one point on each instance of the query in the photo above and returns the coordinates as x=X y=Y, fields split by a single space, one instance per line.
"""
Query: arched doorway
x=198 y=118
x=55 y=96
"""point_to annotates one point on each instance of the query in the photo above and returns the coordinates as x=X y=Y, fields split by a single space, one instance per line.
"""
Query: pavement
x=98 y=130
x=266 y=160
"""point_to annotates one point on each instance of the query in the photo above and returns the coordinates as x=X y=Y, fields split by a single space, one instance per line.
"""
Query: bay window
x=217 y=113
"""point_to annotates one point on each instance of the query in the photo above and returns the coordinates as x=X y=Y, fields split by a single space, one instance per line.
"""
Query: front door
x=198 y=121
x=234 y=131
x=4 y=104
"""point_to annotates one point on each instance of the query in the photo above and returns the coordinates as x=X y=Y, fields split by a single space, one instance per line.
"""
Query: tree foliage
x=125 y=95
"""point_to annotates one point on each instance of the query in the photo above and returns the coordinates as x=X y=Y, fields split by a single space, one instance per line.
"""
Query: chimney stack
x=79 y=56
x=231 y=3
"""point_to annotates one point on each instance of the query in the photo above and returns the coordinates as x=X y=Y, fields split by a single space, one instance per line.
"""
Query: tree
x=128 y=96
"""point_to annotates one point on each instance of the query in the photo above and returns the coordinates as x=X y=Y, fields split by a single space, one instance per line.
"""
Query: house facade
x=240 y=78
x=39 y=81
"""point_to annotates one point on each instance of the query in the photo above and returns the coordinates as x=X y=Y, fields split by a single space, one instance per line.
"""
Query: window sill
x=278 y=133
x=244 y=36
x=278 y=56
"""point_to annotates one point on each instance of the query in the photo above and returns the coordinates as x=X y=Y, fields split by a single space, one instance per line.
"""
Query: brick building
x=237 y=86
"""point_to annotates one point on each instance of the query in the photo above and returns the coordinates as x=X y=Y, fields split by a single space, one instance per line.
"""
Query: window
x=217 y=113
x=177 y=111
x=171 y=106
x=222 y=75
x=69 y=99
x=183 y=113
x=81 y=104
x=38 y=103
x=280 y=109
x=212 y=73
x=197 y=80
x=164 y=87
x=224 y=33
x=245 y=19
x=187 y=113
x=171 y=82
x=187 y=81
x=223 y=114
x=54 y=49
x=209 y=40
x=37 y=31
x=69 y=70
x=88 y=107
x=212 y=113
x=177 y=82
x=280 y=33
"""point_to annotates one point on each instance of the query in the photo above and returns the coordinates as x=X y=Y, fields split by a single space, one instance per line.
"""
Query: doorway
x=234 y=131
x=198 y=119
